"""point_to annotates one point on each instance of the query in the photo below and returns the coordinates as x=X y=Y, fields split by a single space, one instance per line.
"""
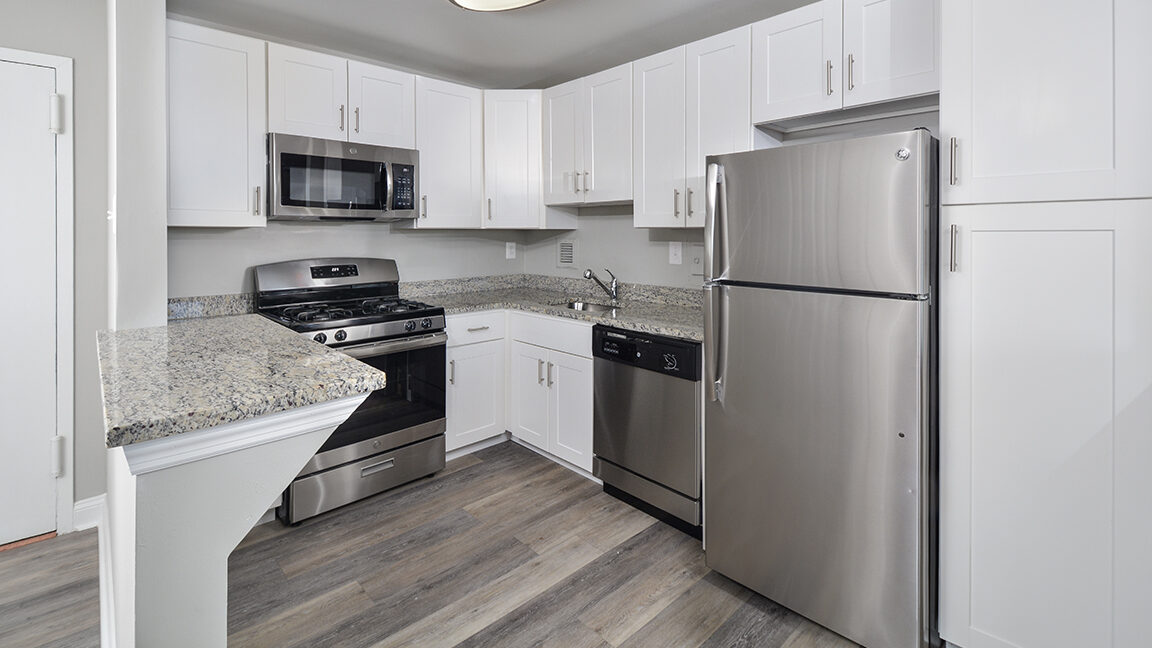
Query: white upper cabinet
x=891 y=49
x=450 y=138
x=608 y=136
x=216 y=128
x=588 y=139
x=688 y=103
x=512 y=159
x=320 y=95
x=383 y=104
x=796 y=62
x=658 y=148
x=307 y=93
x=1045 y=105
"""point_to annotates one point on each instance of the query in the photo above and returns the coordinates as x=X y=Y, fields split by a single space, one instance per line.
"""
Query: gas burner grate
x=316 y=313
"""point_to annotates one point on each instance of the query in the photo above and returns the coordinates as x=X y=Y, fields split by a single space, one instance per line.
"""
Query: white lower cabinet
x=475 y=384
x=551 y=389
x=1046 y=407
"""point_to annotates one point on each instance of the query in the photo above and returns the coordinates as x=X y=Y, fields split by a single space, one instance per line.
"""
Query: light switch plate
x=675 y=252
x=510 y=250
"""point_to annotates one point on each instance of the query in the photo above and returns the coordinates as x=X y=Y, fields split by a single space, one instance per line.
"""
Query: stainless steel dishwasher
x=647 y=421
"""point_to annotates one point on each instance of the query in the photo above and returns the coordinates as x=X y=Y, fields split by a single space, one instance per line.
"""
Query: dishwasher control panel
x=672 y=356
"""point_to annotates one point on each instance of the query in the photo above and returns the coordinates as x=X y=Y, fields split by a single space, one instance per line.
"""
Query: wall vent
x=566 y=254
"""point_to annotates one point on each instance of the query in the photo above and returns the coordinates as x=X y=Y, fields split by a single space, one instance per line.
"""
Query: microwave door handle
x=386 y=169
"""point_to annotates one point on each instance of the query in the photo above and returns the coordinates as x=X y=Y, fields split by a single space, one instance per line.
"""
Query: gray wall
x=76 y=29
x=606 y=239
x=218 y=261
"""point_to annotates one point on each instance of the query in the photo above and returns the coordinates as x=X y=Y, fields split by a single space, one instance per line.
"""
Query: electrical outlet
x=675 y=252
x=510 y=250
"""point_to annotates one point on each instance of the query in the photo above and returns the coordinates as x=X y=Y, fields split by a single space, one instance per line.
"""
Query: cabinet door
x=529 y=402
x=608 y=136
x=307 y=93
x=450 y=136
x=796 y=62
x=1046 y=376
x=569 y=378
x=383 y=105
x=1045 y=105
x=475 y=398
x=658 y=133
x=891 y=49
x=512 y=159
x=216 y=128
x=563 y=144
x=718 y=115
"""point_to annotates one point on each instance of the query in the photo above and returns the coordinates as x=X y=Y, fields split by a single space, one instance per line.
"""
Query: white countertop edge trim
x=176 y=450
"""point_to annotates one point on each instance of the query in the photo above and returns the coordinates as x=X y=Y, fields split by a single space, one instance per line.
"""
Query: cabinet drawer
x=564 y=335
x=475 y=327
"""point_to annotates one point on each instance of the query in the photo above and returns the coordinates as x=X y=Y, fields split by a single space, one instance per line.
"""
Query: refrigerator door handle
x=714 y=346
x=715 y=218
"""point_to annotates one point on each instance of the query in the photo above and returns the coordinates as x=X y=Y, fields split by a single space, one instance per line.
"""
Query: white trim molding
x=65 y=217
x=87 y=513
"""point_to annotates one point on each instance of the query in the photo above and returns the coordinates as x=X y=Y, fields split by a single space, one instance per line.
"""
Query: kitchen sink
x=588 y=307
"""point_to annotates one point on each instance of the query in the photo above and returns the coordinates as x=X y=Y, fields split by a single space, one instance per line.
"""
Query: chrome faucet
x=612 y=289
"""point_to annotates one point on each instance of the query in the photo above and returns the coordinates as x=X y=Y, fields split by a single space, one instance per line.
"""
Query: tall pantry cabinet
x=1046 y=325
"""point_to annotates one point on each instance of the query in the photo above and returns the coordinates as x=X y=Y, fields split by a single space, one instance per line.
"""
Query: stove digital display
x=332 y=271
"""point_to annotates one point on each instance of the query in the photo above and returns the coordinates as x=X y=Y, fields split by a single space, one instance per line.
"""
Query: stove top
x=341 y=301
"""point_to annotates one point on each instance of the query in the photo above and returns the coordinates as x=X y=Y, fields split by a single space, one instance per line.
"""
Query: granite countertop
x=681 y=321
x=199 y=373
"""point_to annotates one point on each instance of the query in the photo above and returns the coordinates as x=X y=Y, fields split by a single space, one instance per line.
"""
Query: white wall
x=75 y=29
x=218 y=262
x=606 y=239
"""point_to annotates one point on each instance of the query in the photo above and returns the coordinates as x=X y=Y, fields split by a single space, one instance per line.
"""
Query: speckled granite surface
x=200 y=373
x=211 y=306
x=662 y=319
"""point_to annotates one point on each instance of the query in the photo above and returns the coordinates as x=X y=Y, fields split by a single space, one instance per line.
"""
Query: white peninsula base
x=178 y=506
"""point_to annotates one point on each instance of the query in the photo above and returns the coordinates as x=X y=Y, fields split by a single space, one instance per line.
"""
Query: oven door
x=410 y=408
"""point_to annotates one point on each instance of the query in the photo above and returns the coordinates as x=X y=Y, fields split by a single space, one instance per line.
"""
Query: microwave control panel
x=403 y=189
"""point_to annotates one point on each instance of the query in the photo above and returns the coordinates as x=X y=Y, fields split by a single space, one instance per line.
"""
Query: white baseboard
x=86 y=513
x=479 y=445
x=107 y=600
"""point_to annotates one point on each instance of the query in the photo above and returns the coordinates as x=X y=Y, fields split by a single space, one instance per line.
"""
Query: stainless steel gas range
x=397 y=434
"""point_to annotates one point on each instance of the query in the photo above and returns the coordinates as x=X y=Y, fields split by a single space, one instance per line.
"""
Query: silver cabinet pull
x=575 y=182
x=851 y=65
x=953 y=179
x=828 y=67
x=585 y=182
x=424 y=206
x=953 y=262
x=357 y=113
x=676 y=203
x=257 y=201
x=688 y=203
x=341 y=117
x=550 y=374
x=539 y=371
x=451 y=372
x=377 y=467
x=489 y=209
x=478 y=328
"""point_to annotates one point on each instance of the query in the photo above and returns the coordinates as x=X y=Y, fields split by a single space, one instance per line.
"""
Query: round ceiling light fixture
x=493 y=5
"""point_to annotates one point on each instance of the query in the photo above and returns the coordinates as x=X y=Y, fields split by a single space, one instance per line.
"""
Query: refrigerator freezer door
x=815 y=461
x=851 y=215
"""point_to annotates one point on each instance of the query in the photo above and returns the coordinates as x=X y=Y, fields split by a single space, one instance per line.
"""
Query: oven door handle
x=439 y=338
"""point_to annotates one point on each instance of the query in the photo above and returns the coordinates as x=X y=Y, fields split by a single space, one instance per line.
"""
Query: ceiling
x=534 y=47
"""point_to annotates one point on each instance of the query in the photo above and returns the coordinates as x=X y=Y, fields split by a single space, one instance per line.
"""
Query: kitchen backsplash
x=216 y=305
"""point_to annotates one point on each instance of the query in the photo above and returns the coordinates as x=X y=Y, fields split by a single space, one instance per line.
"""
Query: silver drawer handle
x=452 y=372
x=478 y=328
x=540 y=371
x=549 y=374
x=377 y=467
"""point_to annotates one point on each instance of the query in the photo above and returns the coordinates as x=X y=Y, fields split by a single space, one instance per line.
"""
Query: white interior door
x=28 y=371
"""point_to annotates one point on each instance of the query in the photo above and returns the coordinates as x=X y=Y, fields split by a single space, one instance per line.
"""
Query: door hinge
x=57 y=456
x=55 y=113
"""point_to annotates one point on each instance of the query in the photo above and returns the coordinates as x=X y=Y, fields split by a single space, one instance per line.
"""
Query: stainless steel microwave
x=329 y=180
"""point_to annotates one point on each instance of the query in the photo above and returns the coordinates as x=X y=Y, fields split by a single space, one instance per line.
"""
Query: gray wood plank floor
x=502 y=548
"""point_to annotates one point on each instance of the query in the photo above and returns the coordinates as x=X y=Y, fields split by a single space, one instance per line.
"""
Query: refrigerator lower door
x=817 y=491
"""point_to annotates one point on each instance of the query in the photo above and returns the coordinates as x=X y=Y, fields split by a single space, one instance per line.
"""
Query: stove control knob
x=320 y=337
x=426 y=322
x=410 y=325
x=341 y=335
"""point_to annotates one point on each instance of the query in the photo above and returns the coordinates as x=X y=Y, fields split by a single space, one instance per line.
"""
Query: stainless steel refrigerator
x=819 y=420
